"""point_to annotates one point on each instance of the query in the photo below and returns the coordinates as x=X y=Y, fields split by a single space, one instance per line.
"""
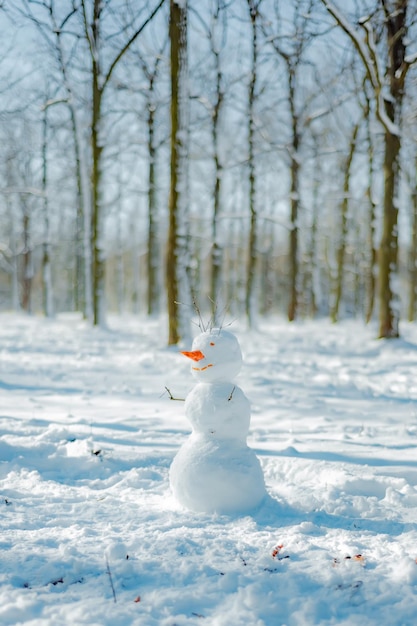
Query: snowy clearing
x=90 y=531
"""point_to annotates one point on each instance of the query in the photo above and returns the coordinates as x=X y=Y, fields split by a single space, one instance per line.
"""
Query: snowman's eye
x=212 y=344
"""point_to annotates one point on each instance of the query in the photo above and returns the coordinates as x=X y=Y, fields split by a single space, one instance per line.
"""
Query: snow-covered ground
x=91 y=535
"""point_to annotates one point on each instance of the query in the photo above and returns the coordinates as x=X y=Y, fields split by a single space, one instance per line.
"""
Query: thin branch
x=86 y=28
x=171 y=397
x=111 y=579
x=68 y=17
x=363 y=50
x=367 y=53
x=129 y=43
x=31 y=191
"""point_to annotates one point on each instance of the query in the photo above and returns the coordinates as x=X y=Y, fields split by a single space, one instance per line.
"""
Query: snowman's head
x=216 y=356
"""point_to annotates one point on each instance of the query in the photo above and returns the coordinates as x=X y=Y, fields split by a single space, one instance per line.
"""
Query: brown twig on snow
x=111 y=579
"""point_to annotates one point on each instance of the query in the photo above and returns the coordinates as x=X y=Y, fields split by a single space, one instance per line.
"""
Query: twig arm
x=171 y=397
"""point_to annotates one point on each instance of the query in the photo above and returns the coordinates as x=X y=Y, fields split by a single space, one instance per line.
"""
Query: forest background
x=254 y=156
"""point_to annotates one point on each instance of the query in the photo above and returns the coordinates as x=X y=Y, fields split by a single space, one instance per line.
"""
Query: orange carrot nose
x=195 y=355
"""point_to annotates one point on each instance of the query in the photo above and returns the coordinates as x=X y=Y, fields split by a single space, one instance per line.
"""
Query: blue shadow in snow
x=276 y=514
x=340 y=458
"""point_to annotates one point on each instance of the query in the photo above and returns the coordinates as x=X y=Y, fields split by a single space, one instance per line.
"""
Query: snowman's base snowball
x=217 y=476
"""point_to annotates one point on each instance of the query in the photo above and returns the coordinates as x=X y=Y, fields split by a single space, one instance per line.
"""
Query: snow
x=87 y=439
x=213 y=475
x=218 y=410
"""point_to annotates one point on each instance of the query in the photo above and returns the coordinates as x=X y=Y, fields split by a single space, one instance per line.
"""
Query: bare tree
x=388 y=106
x=100 y=79
x=291 y=48
x=215 y=29
x=253 y=6
x=344 y=207
x=54 y=22
x=11 y=249
x=46 y=255
x=176 y=249
x=412 y=255
x=151 y=70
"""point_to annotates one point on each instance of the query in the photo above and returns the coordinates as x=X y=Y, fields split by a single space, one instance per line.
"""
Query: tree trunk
x=120 y=274
x=313 y=264
x=27 y=269
x=412 y=259
x=292 y=60
x=388 y=250
x=372 y=254
x=311 y=273
x=48 y=305
x=97 y=261
x=252 y=239
x=100 y=80
x=295 y=203
x=176 y=235
x=389 y=307
x=216 y=251
x=81 y=284
x=152 y=259
x=389 y=114
x=340 y=255
x=11 y=213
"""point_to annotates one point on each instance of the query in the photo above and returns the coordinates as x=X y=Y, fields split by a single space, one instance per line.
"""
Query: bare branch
x=362 y=49
x=129 y=43
x=171 y=397
x=31 y=191
x=367 y=53
x=111 y=579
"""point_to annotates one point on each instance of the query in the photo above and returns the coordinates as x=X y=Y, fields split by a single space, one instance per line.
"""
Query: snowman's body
x=215 y=471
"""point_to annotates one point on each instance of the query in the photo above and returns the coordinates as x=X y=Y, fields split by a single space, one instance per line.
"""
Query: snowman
x=215 y=471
